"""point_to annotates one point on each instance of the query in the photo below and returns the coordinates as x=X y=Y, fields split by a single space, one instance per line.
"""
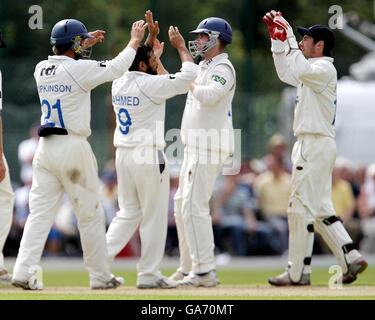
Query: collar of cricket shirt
x=61 y=57
x=321 y=58
x=206 y=64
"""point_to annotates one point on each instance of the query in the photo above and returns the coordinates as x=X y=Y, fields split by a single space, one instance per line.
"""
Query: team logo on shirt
x=219 y=79
x=48 y=71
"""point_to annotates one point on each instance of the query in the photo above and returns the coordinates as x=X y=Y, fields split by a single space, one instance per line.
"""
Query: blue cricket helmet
x=66 y=30
x=215 y=24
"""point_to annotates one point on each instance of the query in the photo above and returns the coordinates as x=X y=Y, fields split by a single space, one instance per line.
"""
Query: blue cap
x=319 y=32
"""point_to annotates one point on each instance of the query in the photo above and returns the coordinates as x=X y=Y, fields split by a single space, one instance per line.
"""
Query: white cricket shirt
x=64 y=86
x=207 y=119
x=138 y=100
x=316 y=82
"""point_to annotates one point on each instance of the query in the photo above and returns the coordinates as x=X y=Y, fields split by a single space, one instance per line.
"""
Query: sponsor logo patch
x=219 y=79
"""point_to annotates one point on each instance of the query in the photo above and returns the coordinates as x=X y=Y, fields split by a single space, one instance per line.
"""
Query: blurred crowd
x=248 y=210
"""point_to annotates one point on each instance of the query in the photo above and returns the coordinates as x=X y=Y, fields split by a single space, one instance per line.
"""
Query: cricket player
x=6 y=195
x=207 y=135
x=308 y=65
x=64 y=160
x=139 y=98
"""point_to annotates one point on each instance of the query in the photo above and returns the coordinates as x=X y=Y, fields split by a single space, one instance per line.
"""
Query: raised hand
x=138 y=30
x=158 y=48
x=280 y=21
x=285 y=26
x=137 y=33
x=153 y=27
x=177 y=41
x=98 y=37
x=276 y=32
x=175 y=38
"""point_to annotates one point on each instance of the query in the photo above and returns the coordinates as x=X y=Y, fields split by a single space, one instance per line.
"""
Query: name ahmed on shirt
x=125 y=100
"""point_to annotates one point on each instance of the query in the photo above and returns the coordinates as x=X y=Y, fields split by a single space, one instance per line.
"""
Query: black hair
x=326 y=50
x=143 y=54
x=62 y=48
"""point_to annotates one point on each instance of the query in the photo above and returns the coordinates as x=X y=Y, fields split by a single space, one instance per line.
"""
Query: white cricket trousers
x=64 y=163
x=310 y=205
x=6 y=211
x=198 y=174
x=143 y=196
x=313 y=158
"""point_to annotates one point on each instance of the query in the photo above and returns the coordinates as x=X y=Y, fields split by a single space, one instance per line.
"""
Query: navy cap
x=2 y=43
x=319 y=32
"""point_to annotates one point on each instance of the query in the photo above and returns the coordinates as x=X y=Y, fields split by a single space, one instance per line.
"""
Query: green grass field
x=74 y=285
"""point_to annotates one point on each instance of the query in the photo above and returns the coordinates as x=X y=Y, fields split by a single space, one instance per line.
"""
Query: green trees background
x=255 y=107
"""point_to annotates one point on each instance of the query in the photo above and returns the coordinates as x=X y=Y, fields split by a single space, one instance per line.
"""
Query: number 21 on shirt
x=49 y=110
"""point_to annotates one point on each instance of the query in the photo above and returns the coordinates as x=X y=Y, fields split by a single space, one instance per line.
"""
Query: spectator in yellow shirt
x=272 y=189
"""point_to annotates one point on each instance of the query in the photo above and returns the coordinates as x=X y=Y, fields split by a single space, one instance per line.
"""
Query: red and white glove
x=290 y=37
x=276 y=32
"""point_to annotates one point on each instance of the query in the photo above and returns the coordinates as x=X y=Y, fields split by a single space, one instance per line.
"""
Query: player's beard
x=152 y=71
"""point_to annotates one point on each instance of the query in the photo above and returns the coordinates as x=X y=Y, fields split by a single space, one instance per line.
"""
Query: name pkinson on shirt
x=125 y=100
x=55 y=88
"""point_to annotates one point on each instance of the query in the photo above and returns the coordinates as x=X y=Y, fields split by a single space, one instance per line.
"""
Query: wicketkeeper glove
x=290 y=37
x=277 y=34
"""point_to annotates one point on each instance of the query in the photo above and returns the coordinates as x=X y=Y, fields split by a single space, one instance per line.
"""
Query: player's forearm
x=150 y=40
x=161 y=69
x=208 y=94
x=94 y=75
x=133 y=43
x=178 y=83
x=281 y=64
x=123 y=61
x=188 y=72
x=185 y=55
x=282 y=69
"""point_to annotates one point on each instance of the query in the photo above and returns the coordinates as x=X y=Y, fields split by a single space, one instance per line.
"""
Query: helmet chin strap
x=77 y=48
